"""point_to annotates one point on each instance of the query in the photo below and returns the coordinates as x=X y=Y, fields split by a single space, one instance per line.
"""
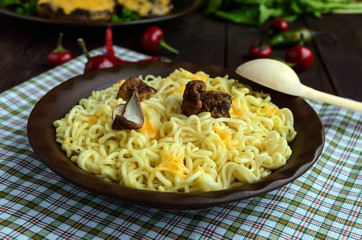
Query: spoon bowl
x=272 y=74
x=279 y=76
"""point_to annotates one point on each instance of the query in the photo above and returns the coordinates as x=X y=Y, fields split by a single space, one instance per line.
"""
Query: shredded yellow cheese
x=147 y=8
x=179 y=89
x=119 y=84
x=150 y=130
x=225 y=137
x=236 y=110
x=172 y=164
x=68 y=6
x=271 y=111
x=92 y=119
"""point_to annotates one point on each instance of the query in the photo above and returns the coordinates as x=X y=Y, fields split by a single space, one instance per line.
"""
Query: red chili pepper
x=301 y=56
x=114 y=58
x=59 y=55
x=263 y=51
x=109 y=41
x=280 y=25
x=109 y=47
x=106 y=60
x=152 y=38
x=96 y=62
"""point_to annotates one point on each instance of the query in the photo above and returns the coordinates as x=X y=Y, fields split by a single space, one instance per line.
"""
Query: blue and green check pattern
x=35 y=203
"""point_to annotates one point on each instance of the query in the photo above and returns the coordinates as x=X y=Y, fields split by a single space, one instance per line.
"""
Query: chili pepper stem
x=283 y=61
x=263 y=43
x=301 y=40
x=59 y=48
x=168 y=47
x=83 y=47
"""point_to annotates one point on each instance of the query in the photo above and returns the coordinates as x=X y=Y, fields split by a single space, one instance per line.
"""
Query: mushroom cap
x=191 y=103
x=134 y=84
x=196 y=99
x=218 y=103
x=128 y=116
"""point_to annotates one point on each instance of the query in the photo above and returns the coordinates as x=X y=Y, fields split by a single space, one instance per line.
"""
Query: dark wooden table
x=336 y=69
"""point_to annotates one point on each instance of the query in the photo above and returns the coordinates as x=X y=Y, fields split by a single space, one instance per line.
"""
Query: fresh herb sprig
x=21 y=7
x=125 y=15
x=29 y=8
x=256 y=12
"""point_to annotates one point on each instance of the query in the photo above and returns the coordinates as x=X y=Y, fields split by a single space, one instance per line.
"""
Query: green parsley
x=256 y=12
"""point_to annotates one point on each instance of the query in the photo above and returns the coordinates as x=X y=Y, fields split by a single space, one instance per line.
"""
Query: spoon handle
x=308 y=92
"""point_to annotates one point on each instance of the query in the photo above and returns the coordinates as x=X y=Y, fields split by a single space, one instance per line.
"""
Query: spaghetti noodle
x=173 y=152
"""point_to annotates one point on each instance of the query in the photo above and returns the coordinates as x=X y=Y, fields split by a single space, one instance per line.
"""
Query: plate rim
x=195 y=4
x=162 y=200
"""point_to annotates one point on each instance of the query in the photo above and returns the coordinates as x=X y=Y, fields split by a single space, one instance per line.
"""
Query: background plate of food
x=173 y=147
x=97 y=12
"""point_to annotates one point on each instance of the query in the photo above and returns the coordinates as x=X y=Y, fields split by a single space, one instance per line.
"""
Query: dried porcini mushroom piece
x=191 y=103
x=128 y=116
x=216 y=102
x=196 y=99
x=134 y=84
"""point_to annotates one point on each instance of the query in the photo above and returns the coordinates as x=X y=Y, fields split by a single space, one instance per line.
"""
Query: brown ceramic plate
x=306 y=148
x=181 y=7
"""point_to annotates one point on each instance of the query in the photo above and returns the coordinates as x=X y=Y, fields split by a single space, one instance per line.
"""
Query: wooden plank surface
x=337 y=67
x=343 y=60
x=240 y=38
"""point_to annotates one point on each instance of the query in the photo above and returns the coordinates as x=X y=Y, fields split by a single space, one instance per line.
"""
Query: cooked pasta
x=173 y=152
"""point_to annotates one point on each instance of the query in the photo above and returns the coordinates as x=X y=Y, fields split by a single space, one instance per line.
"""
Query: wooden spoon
x=280 y=77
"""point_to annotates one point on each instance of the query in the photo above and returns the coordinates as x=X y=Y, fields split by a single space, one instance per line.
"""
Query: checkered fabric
x=35 y=203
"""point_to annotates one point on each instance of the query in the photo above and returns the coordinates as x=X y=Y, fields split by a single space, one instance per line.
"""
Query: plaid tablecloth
x=35 y=203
